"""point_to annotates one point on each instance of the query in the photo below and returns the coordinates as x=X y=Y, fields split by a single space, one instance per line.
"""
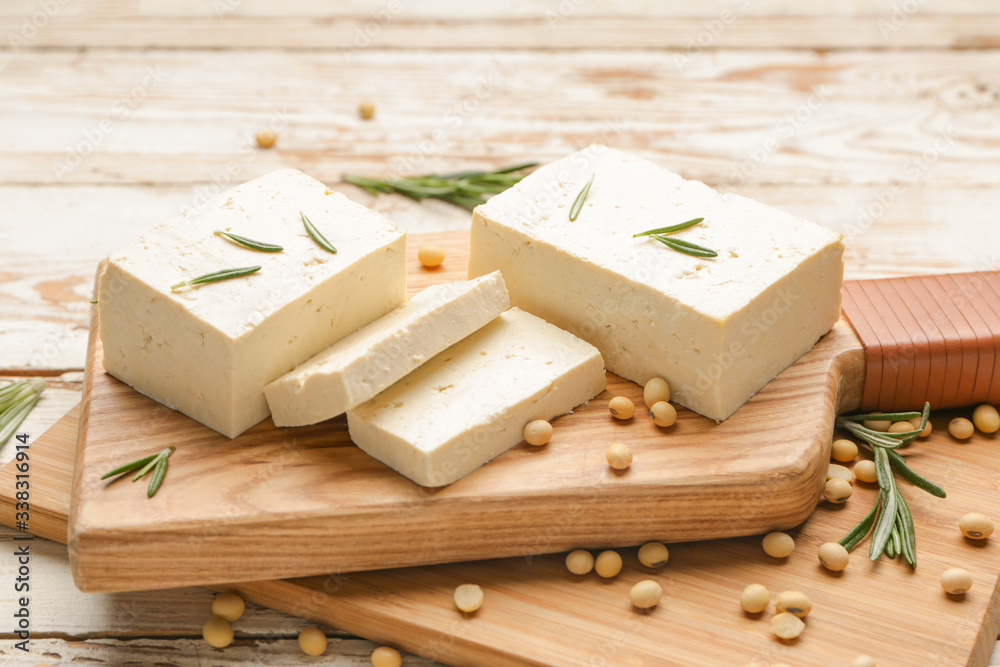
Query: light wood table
x=880 y=119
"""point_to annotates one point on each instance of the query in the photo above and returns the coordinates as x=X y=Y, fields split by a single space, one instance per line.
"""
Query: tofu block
x=208 y=351
x=358 y=367
x=469 y=404
x=716 y=329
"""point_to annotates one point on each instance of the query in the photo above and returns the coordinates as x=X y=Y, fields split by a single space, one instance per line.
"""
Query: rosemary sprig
x=889 y=521
x=16 y=401
x=156 y=462
x=250 y=243
x=574 y=210
x=671 y=229
x=317 y=235
x=679 y=245
x=224 y=274
x=467 y=189
x=686 y=247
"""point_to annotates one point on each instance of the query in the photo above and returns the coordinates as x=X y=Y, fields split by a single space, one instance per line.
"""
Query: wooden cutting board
x=310 y=492
x=536 y=613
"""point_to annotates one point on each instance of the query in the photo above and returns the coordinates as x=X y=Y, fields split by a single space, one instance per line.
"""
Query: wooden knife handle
x=927 y=338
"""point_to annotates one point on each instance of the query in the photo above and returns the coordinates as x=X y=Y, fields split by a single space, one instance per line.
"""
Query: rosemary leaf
x=146 y=468
x=17 y=400
x=317 y=235
x=863 y=527
x=156 y=462
x=671 y=229
x=159 y=473
x=900 y=465
x=904 y=521
x=887 y=517
x=880 y=416
x=574 y=210
x=129 y=467
x=467 y=189
x=224 y=274
x=686 y=247
x=250 y=243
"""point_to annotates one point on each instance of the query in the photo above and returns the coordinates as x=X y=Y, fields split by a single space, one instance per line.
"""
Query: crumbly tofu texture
x=716 y=329
x=209 y=351
x=470 y=403
x=356 y=368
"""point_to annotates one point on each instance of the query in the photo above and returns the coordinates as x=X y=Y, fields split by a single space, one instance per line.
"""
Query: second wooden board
x=537 y=613
x=302 y=501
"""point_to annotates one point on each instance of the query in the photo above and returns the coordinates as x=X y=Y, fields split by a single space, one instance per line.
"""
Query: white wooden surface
x=880 y=119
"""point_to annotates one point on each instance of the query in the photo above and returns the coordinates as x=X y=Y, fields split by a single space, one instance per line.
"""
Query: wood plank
x=571 y=620
x=732 y=118
x=547 y=29
x=60 y=610
x=195 y=652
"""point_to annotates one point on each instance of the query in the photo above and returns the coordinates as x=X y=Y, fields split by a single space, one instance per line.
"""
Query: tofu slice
x=469 y=404
x=716 y=329
x=358 y=367
x=208 y=351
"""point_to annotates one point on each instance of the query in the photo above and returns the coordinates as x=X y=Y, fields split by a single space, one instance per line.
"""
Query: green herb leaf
x=671 y=229
x=467 y=189
x=686 y=247
x=146 y=468
x=159 y=473
x=887 y=517
x=863 y=527
x=900 y=465
x=129 y=467
x=224 y=274
x=17 y=400
x=250 y=243
x=574 y=210
x=156 y=462
x=316 y=235
x=880 y=416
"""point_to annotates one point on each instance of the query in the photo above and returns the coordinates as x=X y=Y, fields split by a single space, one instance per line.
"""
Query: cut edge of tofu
x=405 y=338
x=467 y=446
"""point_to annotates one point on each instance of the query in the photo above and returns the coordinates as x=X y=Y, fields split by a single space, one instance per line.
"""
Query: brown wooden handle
x=928 y=338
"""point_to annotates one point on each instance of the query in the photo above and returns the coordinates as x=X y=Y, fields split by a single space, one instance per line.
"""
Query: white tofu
x=716 y=329
x=470 y=403
x=361 y=365
x=208 y=351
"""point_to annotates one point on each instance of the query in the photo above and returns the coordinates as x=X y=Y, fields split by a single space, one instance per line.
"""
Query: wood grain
x=536 y=613
x=731 y=118
x=721 y=27
x=697 y=481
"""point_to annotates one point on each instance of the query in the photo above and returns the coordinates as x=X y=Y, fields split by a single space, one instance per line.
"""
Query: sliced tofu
x=716 y=329
x=358 y=367
x=470 y=403
x=208 y=351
